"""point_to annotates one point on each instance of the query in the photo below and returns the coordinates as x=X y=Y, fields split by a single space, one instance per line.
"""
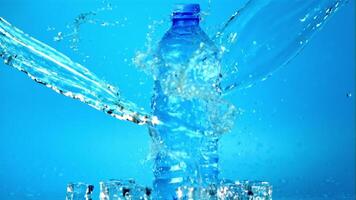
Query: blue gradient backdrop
x=297 y=129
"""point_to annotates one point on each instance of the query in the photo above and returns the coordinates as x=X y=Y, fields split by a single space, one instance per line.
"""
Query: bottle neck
x=185 y=22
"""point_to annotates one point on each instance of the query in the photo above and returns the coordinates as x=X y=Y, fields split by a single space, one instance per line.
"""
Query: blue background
x=296 y=130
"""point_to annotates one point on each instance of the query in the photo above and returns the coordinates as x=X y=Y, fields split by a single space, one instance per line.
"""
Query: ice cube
x=79 y=191
x=123 y=190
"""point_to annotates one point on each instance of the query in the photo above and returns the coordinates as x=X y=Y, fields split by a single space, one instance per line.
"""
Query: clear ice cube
x=79 y=191
x=123 y=190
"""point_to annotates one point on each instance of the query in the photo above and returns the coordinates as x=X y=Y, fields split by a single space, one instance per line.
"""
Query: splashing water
x=247 y=53
x=144 y=59
x=47 y=66
x=73 y=32
x=254 y=41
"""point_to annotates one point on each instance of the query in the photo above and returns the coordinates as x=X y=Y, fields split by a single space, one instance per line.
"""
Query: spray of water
x=73 y=30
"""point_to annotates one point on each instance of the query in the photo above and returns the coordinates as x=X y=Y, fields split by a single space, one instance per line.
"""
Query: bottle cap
x=187 y=8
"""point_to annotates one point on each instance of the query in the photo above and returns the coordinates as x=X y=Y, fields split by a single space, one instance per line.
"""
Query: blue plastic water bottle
x=187 y=73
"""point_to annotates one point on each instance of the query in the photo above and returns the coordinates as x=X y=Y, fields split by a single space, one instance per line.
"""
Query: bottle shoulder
x=185 y=38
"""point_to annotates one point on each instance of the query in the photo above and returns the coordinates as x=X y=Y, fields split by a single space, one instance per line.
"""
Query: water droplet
x=105 y=24
x=58 y=37
x=233 y=37
x=304 y=18
x=50 y=28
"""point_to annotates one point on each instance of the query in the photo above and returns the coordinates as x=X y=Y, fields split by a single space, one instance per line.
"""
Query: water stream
x=255 y=41
x=53 y=69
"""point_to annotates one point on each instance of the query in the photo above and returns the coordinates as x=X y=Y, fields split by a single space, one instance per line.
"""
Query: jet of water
x=53 y=69
x=266 y=34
